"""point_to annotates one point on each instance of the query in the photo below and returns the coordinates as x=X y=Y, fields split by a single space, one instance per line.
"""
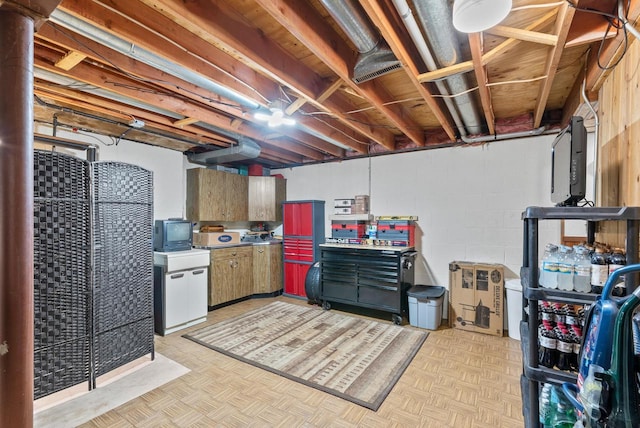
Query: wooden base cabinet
x=231 y=274
x=267 y=268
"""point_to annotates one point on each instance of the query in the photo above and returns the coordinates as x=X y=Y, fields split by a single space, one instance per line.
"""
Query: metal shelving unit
x=533 y=374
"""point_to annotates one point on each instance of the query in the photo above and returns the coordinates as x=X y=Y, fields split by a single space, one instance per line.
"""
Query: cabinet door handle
x=234 y=254
x=261 y=251
x=177 y=275
x=198 y=272
x=231 y=263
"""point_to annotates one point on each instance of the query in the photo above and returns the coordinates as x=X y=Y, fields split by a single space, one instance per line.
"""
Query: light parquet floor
x=458 y=379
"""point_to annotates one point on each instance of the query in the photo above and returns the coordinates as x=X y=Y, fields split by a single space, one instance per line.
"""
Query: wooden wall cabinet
x=230 y=274
x=266 y=195
x=216 y=195
x=267 y=268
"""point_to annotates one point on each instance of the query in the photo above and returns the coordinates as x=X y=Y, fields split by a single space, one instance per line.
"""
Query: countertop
x=369 y=247
x=242 y=244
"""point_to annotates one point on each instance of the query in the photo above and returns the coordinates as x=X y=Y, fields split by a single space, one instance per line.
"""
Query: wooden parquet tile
x=458 y=379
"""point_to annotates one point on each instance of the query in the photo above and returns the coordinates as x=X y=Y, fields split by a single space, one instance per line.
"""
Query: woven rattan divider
x=62 y=304
x=123 y=264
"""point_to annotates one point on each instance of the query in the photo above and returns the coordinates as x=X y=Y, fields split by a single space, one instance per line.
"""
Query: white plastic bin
x=514 y=306
x=425 y=306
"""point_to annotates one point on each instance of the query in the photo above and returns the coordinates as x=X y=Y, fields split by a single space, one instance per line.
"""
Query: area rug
x=353 y=358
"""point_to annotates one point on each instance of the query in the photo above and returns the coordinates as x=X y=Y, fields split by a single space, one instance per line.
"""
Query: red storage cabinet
x=303 y=232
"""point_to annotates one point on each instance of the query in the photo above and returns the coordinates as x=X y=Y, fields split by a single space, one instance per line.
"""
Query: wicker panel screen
x=123 y=264
x=62 y=304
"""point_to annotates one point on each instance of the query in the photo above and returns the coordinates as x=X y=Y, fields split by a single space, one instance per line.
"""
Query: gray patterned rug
x=353 y=358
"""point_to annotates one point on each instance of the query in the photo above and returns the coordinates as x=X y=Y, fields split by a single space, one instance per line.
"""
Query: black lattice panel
x=62 y=258
x=123 y=344
x=60 y=176
x=60 y=366
x=121 y=182
x=123 y=264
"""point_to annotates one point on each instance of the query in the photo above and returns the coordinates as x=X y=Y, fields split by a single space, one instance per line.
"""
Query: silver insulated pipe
x=435 y=16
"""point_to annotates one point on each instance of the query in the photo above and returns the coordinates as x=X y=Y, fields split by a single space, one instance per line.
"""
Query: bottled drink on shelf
x=582 y=266
x=549 y=267
x=616 y=260
x=599 y=270
x=544 y=406
x=565 y=348
x=565 y=268
x=548 y=355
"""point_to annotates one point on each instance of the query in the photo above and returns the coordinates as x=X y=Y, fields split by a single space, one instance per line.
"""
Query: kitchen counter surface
x=369 y=247
x=242 y=244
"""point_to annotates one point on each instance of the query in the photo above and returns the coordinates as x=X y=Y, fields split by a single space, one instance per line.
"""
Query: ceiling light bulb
x=472 y=16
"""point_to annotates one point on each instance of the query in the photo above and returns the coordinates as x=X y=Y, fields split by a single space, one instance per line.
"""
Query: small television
x=569 y=164
x=172 y=235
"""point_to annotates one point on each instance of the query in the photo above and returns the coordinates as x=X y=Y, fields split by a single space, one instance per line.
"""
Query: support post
x=16 y=221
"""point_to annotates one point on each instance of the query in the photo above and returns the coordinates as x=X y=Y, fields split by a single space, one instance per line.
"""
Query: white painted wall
x=169 y=179
x=469 y=200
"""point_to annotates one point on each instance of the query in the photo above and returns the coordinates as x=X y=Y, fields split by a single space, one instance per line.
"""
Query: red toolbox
x=348 y=228
x=397 y=230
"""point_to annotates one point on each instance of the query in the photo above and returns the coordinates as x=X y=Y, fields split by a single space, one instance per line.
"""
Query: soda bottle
x=565 y=268
x=564 y=347
x=549 y=267
x=548 y=353
x=616 y=260
x=599 y=270
x=582 y=264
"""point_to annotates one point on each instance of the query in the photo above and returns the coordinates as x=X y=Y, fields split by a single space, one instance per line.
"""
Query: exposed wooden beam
x=510 y=43
x=487 y=57
x=524 y=35
x=475 y=43
x=320 y=38
x=62 y=37
x=563 y=23
x=145 y=93
x=220 y=27
x=390 y=34
x=70 y=60
x=320 y=99
x=186 y=121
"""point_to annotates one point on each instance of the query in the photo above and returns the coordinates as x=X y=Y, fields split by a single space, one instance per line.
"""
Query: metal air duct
x=246 y=149
x=436 y=17
x=375 y=59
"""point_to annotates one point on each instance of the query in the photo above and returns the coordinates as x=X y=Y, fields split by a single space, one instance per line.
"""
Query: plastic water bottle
x=549 y=267
x=582 y=267
x=565 y=268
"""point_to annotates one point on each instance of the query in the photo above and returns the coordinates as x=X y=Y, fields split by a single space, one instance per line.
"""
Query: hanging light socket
x=472 y=16
x=277 y=116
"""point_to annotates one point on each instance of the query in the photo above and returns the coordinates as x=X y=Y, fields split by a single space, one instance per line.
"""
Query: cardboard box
x=343 y=202
x=343 y=210
x=213 y=239
x=476 y=299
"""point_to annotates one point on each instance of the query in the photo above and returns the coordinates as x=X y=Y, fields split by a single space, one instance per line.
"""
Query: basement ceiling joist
x=198 y=71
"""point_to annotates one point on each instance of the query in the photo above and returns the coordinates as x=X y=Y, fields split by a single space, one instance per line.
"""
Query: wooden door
x=236 y=189
x=261 y=269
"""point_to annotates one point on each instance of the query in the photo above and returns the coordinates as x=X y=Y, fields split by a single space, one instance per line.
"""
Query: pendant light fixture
x=472 y=16
x=277 y=116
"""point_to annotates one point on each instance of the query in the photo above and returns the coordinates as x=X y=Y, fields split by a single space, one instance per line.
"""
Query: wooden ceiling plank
x=100 y=53
x=88 y=74
x=494 y=53
x=612 y=51
x=201 y=48
x=391 y=36
x=70 y=60
x=216 y=24
x=523 y=35
x=475 y=43
x=563 y=23
x=320 y=38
